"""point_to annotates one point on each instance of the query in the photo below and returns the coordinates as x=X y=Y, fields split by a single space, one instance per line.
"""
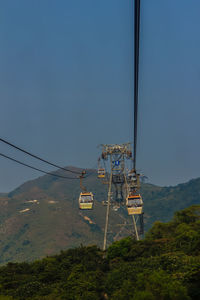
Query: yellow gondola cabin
x=101 y=173
x=86 y=200
x=134 y=204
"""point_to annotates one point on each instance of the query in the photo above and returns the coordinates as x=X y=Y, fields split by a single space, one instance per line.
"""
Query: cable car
x=134 y=204
x=86 y=200
x=101 y=173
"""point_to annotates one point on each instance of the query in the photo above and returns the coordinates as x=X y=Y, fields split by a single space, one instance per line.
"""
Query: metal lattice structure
x=121 y=183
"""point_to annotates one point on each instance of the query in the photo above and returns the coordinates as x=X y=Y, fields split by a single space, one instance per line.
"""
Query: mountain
x=42 y=217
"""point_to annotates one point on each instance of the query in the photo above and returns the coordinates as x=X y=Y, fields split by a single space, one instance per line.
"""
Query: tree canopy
x=165 y=265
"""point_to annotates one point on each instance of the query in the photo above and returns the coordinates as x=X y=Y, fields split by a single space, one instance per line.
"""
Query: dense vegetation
x=163 y=266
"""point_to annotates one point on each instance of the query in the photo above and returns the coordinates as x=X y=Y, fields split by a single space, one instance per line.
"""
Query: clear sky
x=66 y=84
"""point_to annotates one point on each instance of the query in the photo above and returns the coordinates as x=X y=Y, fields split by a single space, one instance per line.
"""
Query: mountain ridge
x=41 y=216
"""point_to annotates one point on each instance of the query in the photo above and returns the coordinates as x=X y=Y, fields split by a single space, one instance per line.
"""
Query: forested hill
x=41 y=217
x=162 y=202
x=165 y=265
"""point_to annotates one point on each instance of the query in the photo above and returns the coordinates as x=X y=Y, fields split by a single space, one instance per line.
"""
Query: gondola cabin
x=101 y=173
x=86 y=200
x=134 y=204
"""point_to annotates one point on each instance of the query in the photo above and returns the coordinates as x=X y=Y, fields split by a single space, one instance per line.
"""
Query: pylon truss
x=121 y=184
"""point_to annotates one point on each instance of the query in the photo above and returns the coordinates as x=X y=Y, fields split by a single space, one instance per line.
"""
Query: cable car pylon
x=107 y=212
x=123 y=187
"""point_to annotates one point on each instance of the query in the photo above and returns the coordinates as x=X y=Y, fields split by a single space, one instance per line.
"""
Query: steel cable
x=31 y=167
x=136 y=74
x=37 y=157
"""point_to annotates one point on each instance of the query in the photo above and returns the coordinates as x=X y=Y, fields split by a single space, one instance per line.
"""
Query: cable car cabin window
x=86 y=199
x=135 y=202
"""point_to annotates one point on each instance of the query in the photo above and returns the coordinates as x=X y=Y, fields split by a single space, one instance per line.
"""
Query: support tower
x=123 y=186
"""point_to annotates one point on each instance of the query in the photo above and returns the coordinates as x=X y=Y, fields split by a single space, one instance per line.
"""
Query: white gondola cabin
x=86 y=200
x=101 y=173
x=134 y=204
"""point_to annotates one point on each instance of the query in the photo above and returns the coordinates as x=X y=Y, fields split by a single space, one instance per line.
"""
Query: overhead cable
x=31 y=167
x=136 y=73
x=37 y=157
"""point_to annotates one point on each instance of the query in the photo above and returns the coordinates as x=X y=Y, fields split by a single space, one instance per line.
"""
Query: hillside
x=41 y=217
x=164 y=265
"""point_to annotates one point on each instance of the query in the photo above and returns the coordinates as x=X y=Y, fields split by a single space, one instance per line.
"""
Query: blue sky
x=66 y=84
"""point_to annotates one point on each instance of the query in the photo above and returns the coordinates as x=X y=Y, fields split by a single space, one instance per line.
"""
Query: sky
x=66 y=85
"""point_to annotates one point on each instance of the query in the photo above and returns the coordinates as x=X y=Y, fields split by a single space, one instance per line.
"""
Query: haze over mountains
x=42 y=217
